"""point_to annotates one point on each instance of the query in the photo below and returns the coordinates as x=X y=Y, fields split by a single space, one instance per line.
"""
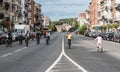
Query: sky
x=61 y=9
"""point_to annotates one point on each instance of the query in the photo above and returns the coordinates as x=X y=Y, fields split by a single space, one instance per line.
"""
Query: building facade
x=103 y=12
x=82 y=19
x=16 y=12
x=46 y=22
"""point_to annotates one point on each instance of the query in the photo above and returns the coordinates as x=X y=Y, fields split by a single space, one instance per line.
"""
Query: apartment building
x=16 y=9
x=116 y=11
x=38 y=16
x=28 y=12
x=15 y=12
x=37 y=13
x=10 y=11
x=106 y=11
x=46 y=22
x=82 y=18
x=93 y=10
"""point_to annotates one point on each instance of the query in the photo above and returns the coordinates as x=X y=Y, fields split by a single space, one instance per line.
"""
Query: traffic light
x=1 y=15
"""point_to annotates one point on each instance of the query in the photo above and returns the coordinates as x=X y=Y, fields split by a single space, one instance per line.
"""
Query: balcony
x=117 y=18
x=118 y=7
x=29 y=8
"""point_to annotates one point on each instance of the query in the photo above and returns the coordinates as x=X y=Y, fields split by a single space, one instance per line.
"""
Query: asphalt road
x=83 y=51
x=34 y=58
x=38 y=58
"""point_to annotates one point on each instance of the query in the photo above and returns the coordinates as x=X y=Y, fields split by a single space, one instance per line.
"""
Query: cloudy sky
x=60 y=9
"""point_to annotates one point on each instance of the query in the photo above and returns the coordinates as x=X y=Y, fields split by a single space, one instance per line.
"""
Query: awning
x=19 y=26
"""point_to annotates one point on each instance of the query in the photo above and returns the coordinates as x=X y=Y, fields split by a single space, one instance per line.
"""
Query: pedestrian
x=38 y=37
x=20 y=38
x=27 y=36
x=33 y=36
x=44 y=33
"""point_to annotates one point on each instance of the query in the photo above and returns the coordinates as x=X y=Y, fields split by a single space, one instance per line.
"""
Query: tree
x=76 y=25
x=83 y=29
x=4 y=24
x=115 y=26
x=103 y=28
x=52 y=27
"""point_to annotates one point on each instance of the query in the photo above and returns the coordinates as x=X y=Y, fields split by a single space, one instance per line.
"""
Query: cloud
x=57 y=9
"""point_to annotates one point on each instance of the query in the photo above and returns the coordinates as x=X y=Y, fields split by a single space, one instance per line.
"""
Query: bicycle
x=69 y=43
x=100 y=48
x=47 y=40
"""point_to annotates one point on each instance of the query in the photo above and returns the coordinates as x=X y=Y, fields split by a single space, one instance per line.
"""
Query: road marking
x=58 y=59
x=17 y=50
x=24 y=47
x=55 y=70
x=7 y=54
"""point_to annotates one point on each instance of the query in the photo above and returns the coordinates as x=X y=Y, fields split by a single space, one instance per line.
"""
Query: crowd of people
x=27 y=36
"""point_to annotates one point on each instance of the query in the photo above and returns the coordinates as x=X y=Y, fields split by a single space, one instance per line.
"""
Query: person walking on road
x=33 y=36
x=20 y=38
x=38 y=37
x=27 y=38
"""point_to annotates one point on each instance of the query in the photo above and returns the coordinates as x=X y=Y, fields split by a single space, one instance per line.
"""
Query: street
x=56 y=57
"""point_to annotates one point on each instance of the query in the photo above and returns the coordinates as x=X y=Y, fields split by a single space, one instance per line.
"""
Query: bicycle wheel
x=101 y=49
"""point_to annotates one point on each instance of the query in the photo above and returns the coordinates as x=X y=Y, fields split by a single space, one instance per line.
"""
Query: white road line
x=55 y=70
x=58 y=59
x=50 y=68
x=7 y=54
x=24 y=47
x=17 y=50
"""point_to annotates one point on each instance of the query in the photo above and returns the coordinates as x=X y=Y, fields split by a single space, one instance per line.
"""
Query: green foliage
x=94 y=27
x=57 y=23
x=110 y=25
x=83 y=29
x=52 y=27
x=4 y=23
x=76 y=25
x=115 y=26
x=103 y=27
x=72 y=22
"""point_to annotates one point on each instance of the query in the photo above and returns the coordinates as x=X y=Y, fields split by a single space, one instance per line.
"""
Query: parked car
x=14 y=36
x=103 y=35
x=109 y=36
x=116 y=37
x=87 y=33
x=2 y=37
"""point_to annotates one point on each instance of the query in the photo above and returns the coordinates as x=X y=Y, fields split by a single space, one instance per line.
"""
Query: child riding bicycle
x=99 y=42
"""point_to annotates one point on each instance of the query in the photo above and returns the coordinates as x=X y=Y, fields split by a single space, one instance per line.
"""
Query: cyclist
x=69 y=37
x=47 y=37
x=99 y=42
x=38 y=37
x=27 y=36
x=9 y=39
x=20 y=38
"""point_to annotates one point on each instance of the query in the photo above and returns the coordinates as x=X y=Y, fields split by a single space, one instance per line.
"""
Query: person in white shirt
x=99 y=41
